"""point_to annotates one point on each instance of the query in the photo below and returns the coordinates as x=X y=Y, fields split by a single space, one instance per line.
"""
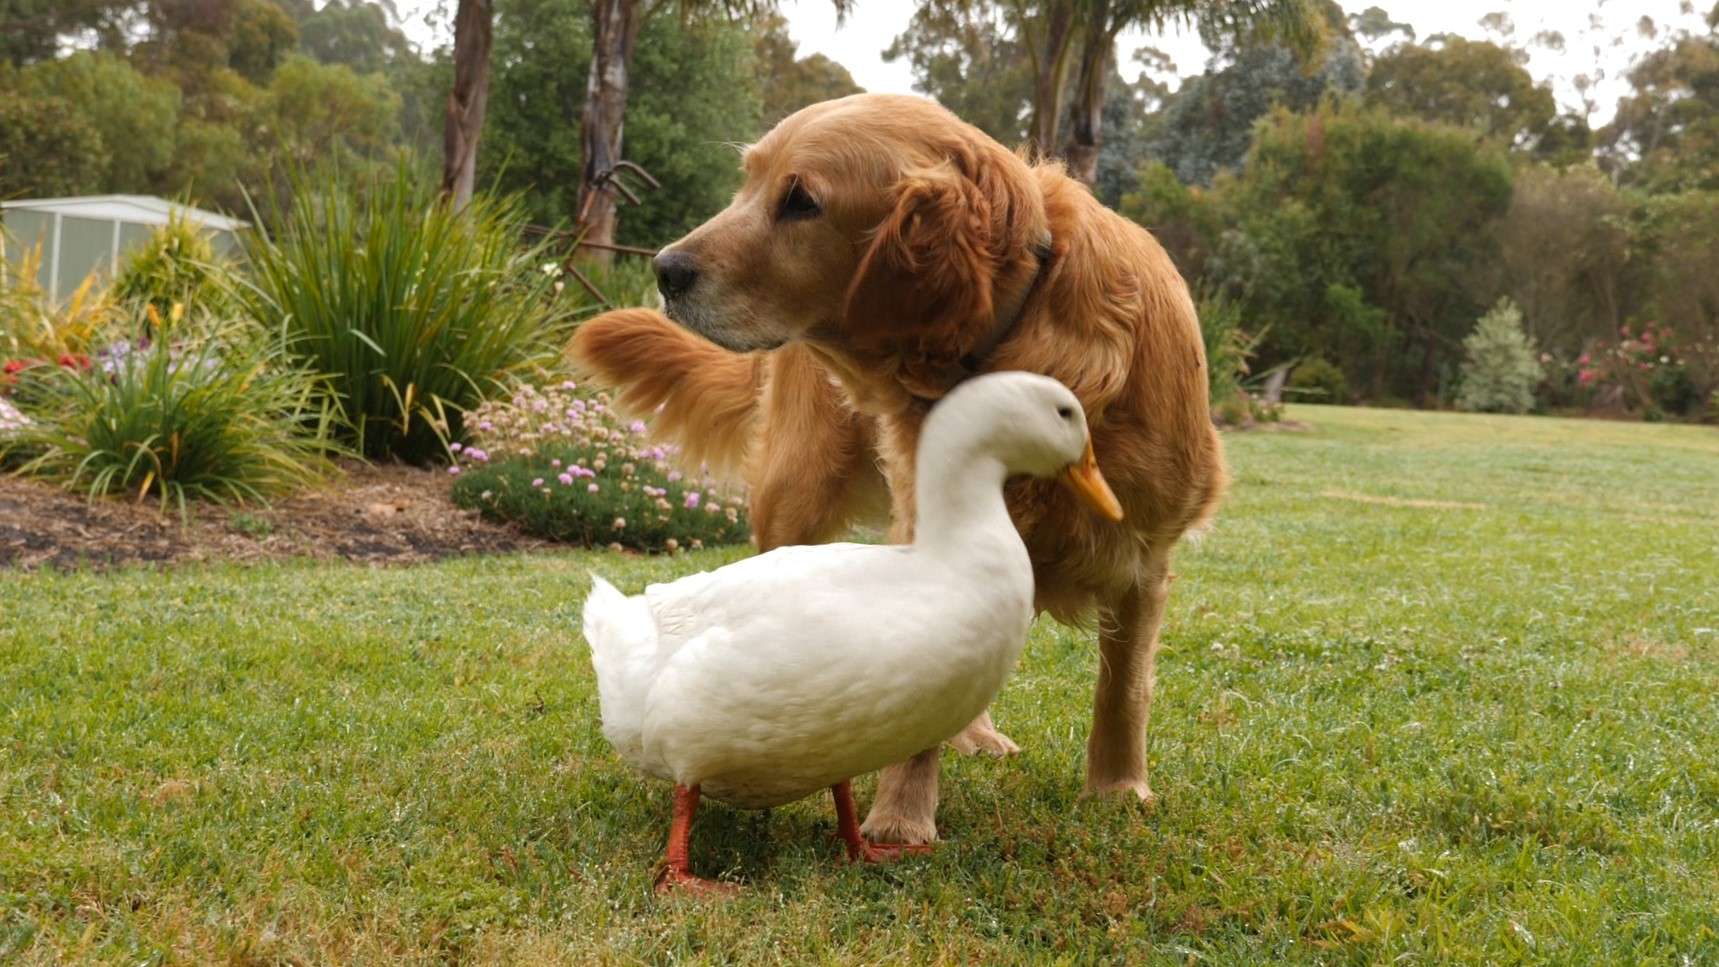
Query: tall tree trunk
x=614 y=30
x=1051 y=72
x=467 y=100
x=1424 y=397
x=1097 y=46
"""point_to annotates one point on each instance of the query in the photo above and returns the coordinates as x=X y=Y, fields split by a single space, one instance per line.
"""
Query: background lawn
x=1438 y=686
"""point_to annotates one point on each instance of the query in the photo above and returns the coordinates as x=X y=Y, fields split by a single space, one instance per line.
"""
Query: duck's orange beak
x=1089 y=485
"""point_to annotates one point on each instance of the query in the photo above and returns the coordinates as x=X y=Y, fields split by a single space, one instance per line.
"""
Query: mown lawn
x=1438 y=687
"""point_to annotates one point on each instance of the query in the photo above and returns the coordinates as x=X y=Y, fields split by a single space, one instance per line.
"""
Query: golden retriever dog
x=879 y=252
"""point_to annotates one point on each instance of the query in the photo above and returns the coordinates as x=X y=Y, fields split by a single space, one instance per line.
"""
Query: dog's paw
x=899 y=830
x=983 y=740
x=1120 y=789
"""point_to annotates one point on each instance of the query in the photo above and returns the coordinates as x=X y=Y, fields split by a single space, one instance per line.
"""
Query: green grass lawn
x=1438 y=687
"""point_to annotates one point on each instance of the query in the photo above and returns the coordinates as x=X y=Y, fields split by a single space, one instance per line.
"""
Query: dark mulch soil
x=374 y=514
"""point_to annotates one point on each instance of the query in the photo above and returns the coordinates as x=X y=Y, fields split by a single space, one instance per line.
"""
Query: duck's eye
x=1066 y=412
x=797 y=204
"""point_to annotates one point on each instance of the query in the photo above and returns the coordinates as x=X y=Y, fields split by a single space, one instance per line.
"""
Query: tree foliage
x=1565 y=247
x=1665 y=136
x=134 y=115
x=1680 y=243
x=350 y=32
x=968 y=58
x=1044 y=71
x=696 y=93
x=190 y=40
x=788 y=82
x=1349 y=234
x=31 y=30
x=1207 y=125
x=1469 y=84
x=47 y=147
x=207 y=100
x=1364 y=238
x=1499 y=368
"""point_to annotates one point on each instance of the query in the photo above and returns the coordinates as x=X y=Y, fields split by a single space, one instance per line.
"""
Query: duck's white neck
x=958 y=496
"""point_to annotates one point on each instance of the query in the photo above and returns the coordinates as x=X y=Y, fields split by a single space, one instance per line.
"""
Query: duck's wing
x=767 y=663
x=735 y=598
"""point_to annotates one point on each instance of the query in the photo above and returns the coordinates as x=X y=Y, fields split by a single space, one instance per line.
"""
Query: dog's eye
x=797 y=204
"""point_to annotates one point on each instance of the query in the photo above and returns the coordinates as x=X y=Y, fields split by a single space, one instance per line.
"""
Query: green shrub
x=1229 y=351
x=566 y=467
x=1501 y=367
x=218 y=415
x=413 y=311
x=1674 y=391
x=176 y=266
x=1228 y=348
x=1319 y=380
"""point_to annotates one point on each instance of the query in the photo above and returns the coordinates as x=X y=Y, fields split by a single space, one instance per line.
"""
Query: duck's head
x=1033 y=424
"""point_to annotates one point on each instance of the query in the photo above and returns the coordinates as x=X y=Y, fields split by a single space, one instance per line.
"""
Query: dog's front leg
x=1122 y=706
x=905 y=808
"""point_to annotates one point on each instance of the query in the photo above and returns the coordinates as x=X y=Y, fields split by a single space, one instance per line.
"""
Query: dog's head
x=876 y=224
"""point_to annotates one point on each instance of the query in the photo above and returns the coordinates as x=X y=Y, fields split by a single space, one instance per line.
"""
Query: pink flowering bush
x=562 y=465
x=1646 y=370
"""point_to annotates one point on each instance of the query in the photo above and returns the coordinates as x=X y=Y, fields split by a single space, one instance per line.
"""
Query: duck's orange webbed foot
x=677 y=876
x=869 y=852
x=671 y=882
x=860 y=849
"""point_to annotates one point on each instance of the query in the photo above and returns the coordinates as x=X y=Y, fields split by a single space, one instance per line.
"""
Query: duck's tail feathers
x=623 y=639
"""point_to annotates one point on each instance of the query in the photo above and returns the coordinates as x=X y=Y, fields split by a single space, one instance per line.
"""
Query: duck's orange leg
x=860 y=849
x=677 y=873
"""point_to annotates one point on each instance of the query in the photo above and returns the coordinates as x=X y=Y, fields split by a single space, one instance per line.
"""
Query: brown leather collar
x=974 y=362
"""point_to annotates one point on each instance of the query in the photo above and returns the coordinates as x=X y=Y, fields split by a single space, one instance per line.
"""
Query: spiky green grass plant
x=209 y=411
x=176 y=266
x=413 y=311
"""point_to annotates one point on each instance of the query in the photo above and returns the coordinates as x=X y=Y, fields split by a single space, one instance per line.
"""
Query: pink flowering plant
x=562 y=464
x=1645 y=370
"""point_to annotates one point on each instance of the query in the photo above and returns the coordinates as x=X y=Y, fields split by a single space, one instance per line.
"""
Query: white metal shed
x=90 y=234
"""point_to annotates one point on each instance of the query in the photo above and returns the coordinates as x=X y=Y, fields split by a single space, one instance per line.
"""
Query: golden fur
x=847 y=324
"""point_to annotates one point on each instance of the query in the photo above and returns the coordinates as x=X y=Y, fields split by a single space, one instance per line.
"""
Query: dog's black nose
x=675 y=273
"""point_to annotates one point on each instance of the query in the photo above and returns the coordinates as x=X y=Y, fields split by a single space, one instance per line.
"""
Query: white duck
x=767 y=680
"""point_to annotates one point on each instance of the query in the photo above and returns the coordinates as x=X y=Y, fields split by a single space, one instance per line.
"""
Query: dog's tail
x=693 y=393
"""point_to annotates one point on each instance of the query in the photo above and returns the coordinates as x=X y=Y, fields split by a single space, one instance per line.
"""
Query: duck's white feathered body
x=777 y=676
x=769 y=679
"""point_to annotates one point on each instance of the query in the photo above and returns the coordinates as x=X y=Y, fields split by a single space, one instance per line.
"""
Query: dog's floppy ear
x=924 y=293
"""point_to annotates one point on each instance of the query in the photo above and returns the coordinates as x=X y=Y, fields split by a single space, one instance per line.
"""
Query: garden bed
x=382 y=514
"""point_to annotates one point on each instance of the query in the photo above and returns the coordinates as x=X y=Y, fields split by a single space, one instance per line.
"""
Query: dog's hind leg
x=980 y=737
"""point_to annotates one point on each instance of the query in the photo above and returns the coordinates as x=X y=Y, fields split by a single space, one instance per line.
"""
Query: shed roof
x=141 y=209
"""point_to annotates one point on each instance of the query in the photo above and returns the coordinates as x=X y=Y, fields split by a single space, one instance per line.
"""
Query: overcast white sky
x=859 y=42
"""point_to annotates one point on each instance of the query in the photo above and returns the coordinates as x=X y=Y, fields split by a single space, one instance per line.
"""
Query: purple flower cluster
x=602 y=443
